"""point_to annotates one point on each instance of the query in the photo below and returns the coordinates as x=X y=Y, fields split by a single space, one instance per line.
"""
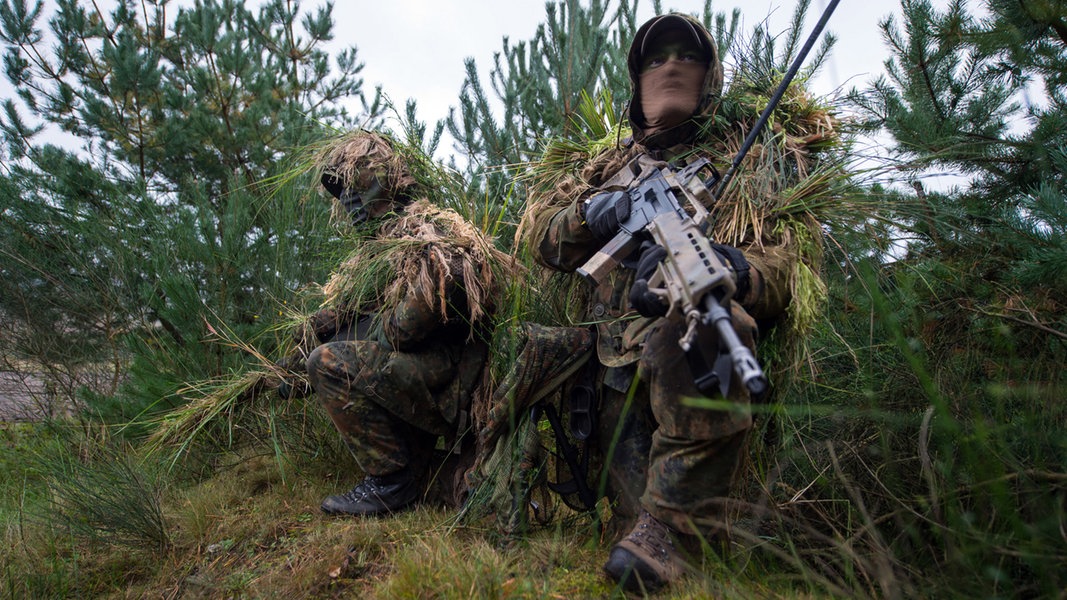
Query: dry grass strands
x=416 y=254
x=212 y=404
x=360 y=157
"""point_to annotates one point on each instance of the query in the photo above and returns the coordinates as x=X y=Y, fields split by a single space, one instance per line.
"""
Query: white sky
x=416 y=48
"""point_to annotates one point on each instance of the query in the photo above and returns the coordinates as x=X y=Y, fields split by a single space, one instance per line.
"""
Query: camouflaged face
x=361 y=158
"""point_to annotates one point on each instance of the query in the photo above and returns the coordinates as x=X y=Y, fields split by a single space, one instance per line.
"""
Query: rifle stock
x=607 y=258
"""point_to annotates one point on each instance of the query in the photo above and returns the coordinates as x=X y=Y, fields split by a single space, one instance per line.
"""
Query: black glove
x=646 y=302
x=603 y=213
x=735 y=260
x=293 y=385
x=650 y=305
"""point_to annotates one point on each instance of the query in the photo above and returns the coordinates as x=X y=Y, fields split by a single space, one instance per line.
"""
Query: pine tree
x=964 y=95
x=985 y=98
x=537 y=90
x=538 y=83
x=965 y=319
x=178 y=210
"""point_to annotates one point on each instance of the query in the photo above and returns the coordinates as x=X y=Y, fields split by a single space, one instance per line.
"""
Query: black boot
x=376 y=495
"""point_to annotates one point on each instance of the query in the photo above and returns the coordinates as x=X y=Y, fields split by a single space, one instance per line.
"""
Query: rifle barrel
x=775 y=99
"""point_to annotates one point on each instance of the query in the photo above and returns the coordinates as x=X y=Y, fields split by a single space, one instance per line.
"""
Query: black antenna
x=766 y=114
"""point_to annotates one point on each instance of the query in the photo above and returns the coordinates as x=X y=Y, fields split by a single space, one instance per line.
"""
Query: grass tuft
x=102 y=492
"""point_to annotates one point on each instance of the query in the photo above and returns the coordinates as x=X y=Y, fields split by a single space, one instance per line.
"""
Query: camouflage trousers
x=391 y=407
x=675 y=460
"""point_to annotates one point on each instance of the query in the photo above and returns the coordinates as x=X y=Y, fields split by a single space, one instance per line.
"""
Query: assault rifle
x=691 y=280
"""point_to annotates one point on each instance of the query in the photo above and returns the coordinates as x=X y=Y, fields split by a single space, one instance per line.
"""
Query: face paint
x=365 y=205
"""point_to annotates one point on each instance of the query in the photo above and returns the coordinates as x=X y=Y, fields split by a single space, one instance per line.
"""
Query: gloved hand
x=644 y=301
x=650 y=305
x=735 y=260
x=293 y=388
x=293 y=384
x=323 y=325
x=604 y=212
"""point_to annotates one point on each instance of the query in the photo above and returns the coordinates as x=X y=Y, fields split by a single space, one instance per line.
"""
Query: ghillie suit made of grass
x=415 y=254
x=414 y=251
x=789 y=182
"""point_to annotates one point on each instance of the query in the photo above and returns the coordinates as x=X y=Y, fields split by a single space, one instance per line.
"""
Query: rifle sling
x=579 y=470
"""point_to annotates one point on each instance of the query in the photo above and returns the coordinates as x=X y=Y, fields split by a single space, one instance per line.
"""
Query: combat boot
x=376 y=495
x=646 y=559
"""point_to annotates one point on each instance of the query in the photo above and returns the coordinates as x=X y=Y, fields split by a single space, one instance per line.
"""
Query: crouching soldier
x=399 y=347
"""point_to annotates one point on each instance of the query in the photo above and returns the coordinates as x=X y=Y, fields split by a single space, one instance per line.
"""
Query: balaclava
x=668 y=121
x=671 y=84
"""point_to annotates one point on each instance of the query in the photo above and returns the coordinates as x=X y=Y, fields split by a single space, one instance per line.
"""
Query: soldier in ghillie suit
x=399 y=346
x=674 y=464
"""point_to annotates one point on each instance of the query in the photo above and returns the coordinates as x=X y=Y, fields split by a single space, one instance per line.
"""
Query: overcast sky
x=416 y=48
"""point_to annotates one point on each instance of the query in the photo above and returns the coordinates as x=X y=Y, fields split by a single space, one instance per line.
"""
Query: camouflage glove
x=604 y=212
x=320 y=328
x=646 y=302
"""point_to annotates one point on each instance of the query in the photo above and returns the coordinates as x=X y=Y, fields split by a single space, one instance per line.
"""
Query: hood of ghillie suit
x=417 y=250
x=709 y=97
x=362 y=159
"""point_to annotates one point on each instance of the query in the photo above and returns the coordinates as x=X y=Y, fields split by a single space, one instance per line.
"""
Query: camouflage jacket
x=558 y=239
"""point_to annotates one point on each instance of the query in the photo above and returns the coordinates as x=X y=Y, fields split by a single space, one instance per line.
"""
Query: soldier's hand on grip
x=740 y=270
x=642 y=299
x=604 y=212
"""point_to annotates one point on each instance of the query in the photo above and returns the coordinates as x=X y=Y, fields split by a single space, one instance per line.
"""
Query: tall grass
x=904 y=467
x=99 y=490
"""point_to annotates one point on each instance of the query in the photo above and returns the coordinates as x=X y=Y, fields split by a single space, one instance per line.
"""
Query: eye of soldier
x=680 y=52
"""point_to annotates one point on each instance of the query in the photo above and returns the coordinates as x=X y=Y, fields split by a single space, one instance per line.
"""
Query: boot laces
x=653 y=536
x=369 y=487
